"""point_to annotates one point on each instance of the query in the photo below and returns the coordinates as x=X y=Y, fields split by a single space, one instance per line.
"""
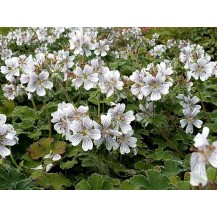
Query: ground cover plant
x=108 y=108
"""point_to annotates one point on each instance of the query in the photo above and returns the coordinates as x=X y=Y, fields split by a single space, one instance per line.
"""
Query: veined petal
x=40 y=91
x=76 y=139
x=87 y=144
x=94 y=134
x=4 y=151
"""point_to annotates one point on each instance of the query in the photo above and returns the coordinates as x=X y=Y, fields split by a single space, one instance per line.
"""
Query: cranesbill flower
x=146 y=114
x=84 y=132
x=122 y=120
x=111 y=83
x=202 y=68
x=101 y=48
x=190 y=120
x=138 y=79
x=11 y=91
x=39 y=83
x=126 y=141
x=7 y=136
x=86 y=77
x=107 y=133
x=188 y=102
x=205 y=153
x=155 y=86
x=11 y=69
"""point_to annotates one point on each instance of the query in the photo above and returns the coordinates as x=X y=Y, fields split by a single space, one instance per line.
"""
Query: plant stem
x=66 y=94
x=169 y=141
x=100 y=167
x=99 y=106
x=34 y=106
x=201 y=100
x=48 y=118
x=12 y=158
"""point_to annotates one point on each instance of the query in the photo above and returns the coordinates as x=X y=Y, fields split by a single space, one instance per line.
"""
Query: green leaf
x=59 y=147
x=40 y=148
x=11 y=178
x=97 y=182
x=6 y=107
x=51 y=180
x=127 y=185
x=172 y=168
x=68 y=164
x=24 y=113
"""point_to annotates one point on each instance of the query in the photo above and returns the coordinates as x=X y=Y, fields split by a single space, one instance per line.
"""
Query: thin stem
x=169 y=141
x=99 y=106
x=48 y=118
x=33 y=103
x=100 y=167
x=66 y=94
x=153 y=109
x=201 y=100
x=12 y=158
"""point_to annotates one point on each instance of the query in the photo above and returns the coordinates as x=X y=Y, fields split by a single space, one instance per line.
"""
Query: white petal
x=87 y=143
x=197 y=123
x=205 y=132
x=40 y=91
x=189 y=128
x=47 y=84
x=76 y=126
x=198 y=170
x=111 y=143
x=87 y=123
x=155 y=95
x=43 y=75
x=56 y=157
x=4 y=151
x=78 y=81
x=106 y=120
x=75 y=139
x=213 y=158
x=125 y=127
x=2 y=118
x=88 y=85
x=94 y=134
x=183 y=123
x=124 y=149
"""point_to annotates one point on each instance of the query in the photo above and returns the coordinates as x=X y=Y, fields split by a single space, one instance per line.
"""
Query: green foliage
x=51 y=180
x=13 y=179
x=97 y=182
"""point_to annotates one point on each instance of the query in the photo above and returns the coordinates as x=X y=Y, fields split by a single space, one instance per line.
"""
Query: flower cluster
x=7 y=136
x=152 y=81
x=190 y=111
x=114 y=129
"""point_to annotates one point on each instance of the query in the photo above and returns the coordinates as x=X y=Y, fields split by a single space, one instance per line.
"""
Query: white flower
x=84 y=132
x=11 y=69
x=39 y=83
x=7 y=136
x=158 y=50
x=107 y=134
x=111 y=83
x=126 y=141
x=138 y=79
x=101 y=48
x=87 y=76
x=11 y=91
x=190 y=120
x=146 y=113
x=205 y=154
x=186 y=56
x=121 y=119
x=202 y=69
x=65 y=115
x=188 y=102
x=155 y=86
